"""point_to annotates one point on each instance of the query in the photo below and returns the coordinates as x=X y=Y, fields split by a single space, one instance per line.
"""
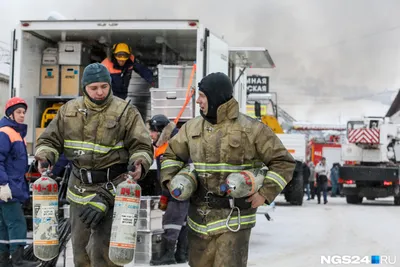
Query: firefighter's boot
x=18 y=261
x=5 y=259
x=169 y=254
x=181 y=254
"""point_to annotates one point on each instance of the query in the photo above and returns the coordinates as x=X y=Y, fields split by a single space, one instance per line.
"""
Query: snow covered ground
x=299 y=236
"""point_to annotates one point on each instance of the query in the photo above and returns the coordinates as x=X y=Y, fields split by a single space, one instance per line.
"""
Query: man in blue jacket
x=174 y=219
x=13 y=186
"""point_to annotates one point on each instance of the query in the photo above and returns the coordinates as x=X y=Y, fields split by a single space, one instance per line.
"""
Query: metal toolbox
x=172 y=76
x=150 y=216
x=148 y=246
x=73 y=53
x=169 y=102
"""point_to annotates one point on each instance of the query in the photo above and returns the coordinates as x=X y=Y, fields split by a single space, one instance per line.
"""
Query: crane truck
x=374 y=148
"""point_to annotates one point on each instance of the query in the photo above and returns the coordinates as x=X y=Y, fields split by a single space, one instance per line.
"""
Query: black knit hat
x=95 y=73
x=219 y=89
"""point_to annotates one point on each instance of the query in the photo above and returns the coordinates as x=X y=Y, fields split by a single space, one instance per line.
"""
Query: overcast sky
x=335 y=59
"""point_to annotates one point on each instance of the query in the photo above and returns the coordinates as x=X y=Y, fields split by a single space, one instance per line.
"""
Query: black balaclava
x=94 y=73
x=218 y=89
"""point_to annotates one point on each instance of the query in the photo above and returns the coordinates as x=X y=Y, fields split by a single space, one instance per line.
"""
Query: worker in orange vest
x=120 y=64
x=174 y=219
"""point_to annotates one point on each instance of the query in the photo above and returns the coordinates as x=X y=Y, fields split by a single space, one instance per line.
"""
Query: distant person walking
x=311 y=181
x=322 y=180
x=334 y=179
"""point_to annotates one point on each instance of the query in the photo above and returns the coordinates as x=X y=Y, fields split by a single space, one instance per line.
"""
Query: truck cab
x=373 y=143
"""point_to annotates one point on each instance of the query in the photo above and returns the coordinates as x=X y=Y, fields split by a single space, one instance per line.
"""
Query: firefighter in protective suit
x=174 y=219
x=219 y=142
x=103 y=137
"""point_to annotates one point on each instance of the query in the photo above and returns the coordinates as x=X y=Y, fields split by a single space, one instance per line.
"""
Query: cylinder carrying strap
x=213 y=201
x=160 y=150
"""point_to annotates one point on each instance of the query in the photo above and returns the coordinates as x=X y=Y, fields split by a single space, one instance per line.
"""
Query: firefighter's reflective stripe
x=172 y=226
x=47 y=148
x=225 y=167
x=85 y=200
x=79 y=199
x=171 y=163
x=91 y=146
x=273 y=176
x=141 y=154
x=14 y=241
x=221 y=224
x=98 y=205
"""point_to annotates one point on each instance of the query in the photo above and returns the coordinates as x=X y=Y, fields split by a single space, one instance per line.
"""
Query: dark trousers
x=312 y=189
x=174 y=220
x=226 y=249
x=12 y=227
x=322 y=187
x=90 y=247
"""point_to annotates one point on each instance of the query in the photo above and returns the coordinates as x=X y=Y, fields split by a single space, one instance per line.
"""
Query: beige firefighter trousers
x=225 y=250
x=90 y=247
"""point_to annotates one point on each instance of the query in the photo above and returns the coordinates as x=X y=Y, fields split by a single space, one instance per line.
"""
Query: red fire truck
x=321 y=148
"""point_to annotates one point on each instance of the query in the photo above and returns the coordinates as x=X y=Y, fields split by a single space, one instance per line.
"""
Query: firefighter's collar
x=228 y=110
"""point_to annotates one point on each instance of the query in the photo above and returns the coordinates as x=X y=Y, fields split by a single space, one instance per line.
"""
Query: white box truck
x=166 y=42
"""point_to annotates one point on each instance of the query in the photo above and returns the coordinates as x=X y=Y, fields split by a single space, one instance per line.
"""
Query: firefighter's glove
x=5 y=192
x=98 y=207
x=163 y=204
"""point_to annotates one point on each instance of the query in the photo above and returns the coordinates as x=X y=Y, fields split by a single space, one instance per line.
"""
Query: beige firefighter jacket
x=91 y=137
x=237 y=142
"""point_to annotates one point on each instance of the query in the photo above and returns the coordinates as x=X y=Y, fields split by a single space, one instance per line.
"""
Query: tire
x=354 y=199
x=295 y=192
x=397 y=201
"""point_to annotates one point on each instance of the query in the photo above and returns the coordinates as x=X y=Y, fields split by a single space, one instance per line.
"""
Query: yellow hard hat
x=121 y=51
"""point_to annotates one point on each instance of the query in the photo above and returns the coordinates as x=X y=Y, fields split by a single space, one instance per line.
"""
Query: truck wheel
x=287 y=195
x=397 y=201
x=352 y=199
x=296 y=193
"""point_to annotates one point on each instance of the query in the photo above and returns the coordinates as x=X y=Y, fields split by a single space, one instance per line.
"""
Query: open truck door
x=212 y=56
x=11 y=92
x=240 y=59
x=216 y=54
